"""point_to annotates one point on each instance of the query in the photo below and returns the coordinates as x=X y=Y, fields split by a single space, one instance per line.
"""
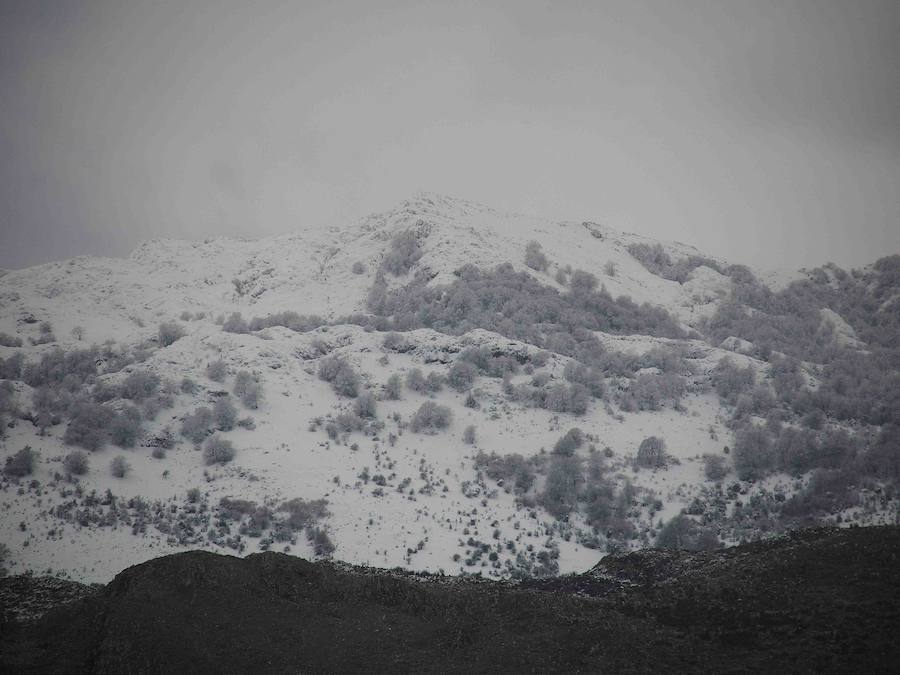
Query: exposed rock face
x=824 y=600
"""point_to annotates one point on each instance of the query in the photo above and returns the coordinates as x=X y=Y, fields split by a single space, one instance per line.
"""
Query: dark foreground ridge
x=813 y=601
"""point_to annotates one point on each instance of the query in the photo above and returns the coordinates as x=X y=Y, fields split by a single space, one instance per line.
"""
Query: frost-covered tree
x=534 y=256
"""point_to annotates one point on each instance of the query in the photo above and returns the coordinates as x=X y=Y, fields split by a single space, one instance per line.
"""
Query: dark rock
x=813 y=601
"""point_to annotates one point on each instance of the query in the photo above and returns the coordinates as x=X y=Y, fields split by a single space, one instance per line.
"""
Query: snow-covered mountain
x=394 y=497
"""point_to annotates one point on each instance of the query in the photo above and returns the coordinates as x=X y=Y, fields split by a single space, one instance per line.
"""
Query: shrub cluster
x=169 y=332
x=430 y=417
x=248 y=389
x=340 y=374
x=404 y=251
x=218 y=450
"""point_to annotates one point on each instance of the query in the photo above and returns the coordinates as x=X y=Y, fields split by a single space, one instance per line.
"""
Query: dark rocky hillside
x=813 y=601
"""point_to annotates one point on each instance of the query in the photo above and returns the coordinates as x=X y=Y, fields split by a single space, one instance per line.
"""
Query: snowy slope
x=284 y=457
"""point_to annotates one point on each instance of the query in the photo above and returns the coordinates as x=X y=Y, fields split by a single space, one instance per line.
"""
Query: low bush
x=322 y=545
x=235 y=323
x=461 y=375
x=7 y=340
x=76 y=463
x=139 y=385
x=195 y=427
x=11 y=368
x=415 y=380
x=715 y=467
x=125 y=427
x=393 y=388
x=169 y=332
x=217 y=370
x=88 y=425
x=405 y=250
x=340 y=374
x=218 y=450
x=21 y=463
x=468 y=436
x=568 y=443
x=365 y=405
x=248 y=389
x=430 y=417
x=224 y=414
x=507 y=468
x=651 y=453
x=534 y=257
x=682 y=533
x=119 y=466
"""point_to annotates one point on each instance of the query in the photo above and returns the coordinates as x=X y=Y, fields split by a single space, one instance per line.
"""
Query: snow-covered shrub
x=358 y=268
x=11 y=367
x=224 y=414
x=592 y=378
x=196 y=427
x=405 y=250
x=512 y=467
x=649 y=391
x=430 y=417
x=534 y=256
x=651 y=453
x=248 y=389
x=393 y=387
x=582 y=283
x=561 y=398
x=322 y=545
x=76 y=463
x=7 y=340
x=46 y=335
x=568 y=443
x=88 y=426
x=415 y=380
x=468 y=436
x=753 y=454
x=730 y=380
x=340 y=374
x=347 y=422
x=564 y=479
x=139 y=385
x=461 y=375
x=170 y=332
x=299 y=323
x=434 y=382
x=218 y=450
x=682 y=533
x=119 y=466
x=365 y=405
x=21 y=463
x=125 y=427
x=235 y=323
x=303 y=513
x=187 y=386
x=217 y=370
x=714 y=467
x=78 y=365
x=395 y=342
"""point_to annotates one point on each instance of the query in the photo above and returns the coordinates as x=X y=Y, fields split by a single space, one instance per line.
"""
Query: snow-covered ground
x=284 y=457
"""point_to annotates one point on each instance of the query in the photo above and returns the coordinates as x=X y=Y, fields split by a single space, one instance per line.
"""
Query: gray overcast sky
x=765 y=132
